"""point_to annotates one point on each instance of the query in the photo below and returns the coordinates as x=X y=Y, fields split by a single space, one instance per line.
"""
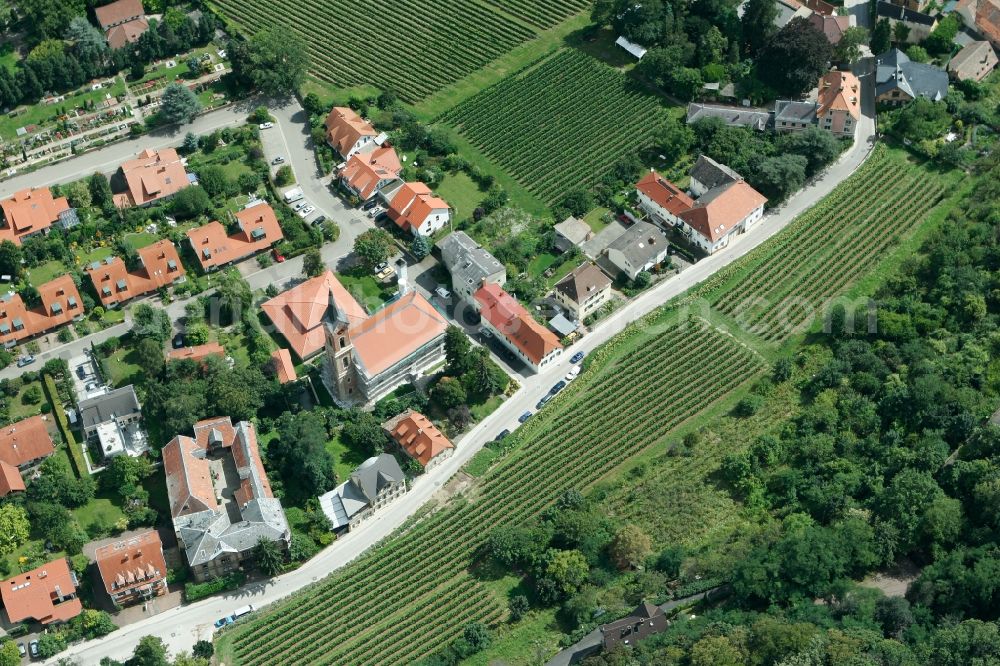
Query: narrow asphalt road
x=181 y=627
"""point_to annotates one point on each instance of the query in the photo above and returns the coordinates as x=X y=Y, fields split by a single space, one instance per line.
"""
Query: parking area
x=86 y=378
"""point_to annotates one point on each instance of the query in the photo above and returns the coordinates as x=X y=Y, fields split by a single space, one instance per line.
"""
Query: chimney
x=402 y=281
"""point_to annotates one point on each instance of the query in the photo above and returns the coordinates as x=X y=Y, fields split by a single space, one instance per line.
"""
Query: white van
x=243 y=610
x=293 y=195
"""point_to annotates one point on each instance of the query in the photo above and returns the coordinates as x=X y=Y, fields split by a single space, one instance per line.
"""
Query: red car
x=277 y=257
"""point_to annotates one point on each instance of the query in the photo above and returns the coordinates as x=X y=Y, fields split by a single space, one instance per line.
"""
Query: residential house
x=374 y=484
x=59 y=304
x=133 y=569
x=793 y=115
x=920 y=25
x=899 y=80
x=32 y=212
x=418 y=438
x=220 y=498
x=661 y=199
x=46 y=595
x=571 y=233
x=733 y=116
x=257 y=230
x=644 y=621
x=366 y=173
x=514 y=326
x=974 y=62
x=912 y=5
x=707 y=174
x=470 y=265
x=22 y=445
x=122 y=21
x=987 y=20
x=837 y=108
x=112 y=420
x=584 y=291
x=197 y=353
x=832 y=26
x=640 y=248
x=152 y=176
x=282 y=366
x=159 y=267
x=10 y=480
x=414 y=208
x=721 y=214
x=788 y=10
x=348 y=133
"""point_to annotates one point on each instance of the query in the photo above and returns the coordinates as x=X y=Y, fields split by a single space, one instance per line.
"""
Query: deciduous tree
x=178 y=104
x=793 y=60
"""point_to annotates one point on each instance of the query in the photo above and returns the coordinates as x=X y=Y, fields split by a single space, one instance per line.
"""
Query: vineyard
x=411 y=46
x=418 y=584
x=790 y=281
x=559 y=124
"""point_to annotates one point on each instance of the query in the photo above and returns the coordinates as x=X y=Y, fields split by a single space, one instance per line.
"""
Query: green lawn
x=8 y=56
x=47 y=271
x=100 y=512
x=345 y=460
x=593 y=219
x=365 y=288
x=97 y=254
x=538 y=265
x=123 y=367
x=18 y=409
x=461 y=193
x=481 y=462
x=140 y=239
x=42 y=114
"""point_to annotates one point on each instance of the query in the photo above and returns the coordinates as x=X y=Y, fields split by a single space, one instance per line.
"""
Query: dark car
x=368 y=205
x=503 y=433
x=382 y=217
x=576 y=358
x=178 y=341
x=319 y=220
x=33 y=649
x=81 y=372
x=559 y=386
x=524 y=417
x=543 y=401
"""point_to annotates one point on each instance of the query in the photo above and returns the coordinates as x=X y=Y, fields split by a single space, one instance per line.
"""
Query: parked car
x=305 y=212
x=443 y=293
x=277 y=255
x=81 y=372
x=21 y=649
x=25 y=360
x=377 y=210
x=368 y=205
x=559 y=386
x=266 y=125
x=381 y=217
x=33 y=649
x=319 y=220
x=524 y=417
x=300 y=205
x=503 y=433
x=576 y=358
x=178 y=341
x=278 y=160
x=544 y=401
x=573 y=373
x=225 y=621
x=92 y=386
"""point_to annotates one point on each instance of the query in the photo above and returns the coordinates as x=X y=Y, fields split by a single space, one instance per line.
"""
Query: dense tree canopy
x=793 y=60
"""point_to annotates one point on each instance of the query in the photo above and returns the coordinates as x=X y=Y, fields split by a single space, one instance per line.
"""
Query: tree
x=578 y=202
x=420 y=247
x=125 y=471
x=881 y=37
x=900 y=32
x=14 y=528
x=78 y=194
x=50 y=18
x=151 y=651
x=178 y=104
x=10 y=259
x=917 y=53
x=284 y=176
x=89 y=44
x=9 y=654
x=190 y=144
x=203 y=649
x=630 y=547
x=153 y=322
x=373 y=247
x=191 y=202
x=274 y=61
x=456 y=351
x=312 y=263
x=299 y=454
x=240 y=392
x=50 y=644
x=518 y=606
x=894 y=614
x=213 y=178
x=567 y=569
x=100 y=190
x=942 y=37
x=818 y=146
x=477 y=635
x=793 y=60
x=780 y=175
x=674 y=139
x=268 y=556
x=448 y=393
x=149 y=354
x=848 y=49
x=312 y=104
x=758 y=24
x=363 y=432
x=485 y=377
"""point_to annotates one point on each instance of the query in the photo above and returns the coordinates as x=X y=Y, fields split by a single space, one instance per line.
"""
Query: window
x=343 y=342
x=345 y=362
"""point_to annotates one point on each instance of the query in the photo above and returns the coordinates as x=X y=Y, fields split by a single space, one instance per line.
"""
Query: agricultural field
x=414 y=48
x=419 y=584
x=791 y=280
x=561 y=123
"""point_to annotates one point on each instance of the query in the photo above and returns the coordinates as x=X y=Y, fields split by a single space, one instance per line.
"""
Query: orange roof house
x=30 y=212
x=661 y=198
x=416 y=209
x=535 y=344
x=298 y=314
x=122 y=22
x=284 y=369
x=367 y=173
x=832 y=26
x=60 y=304
x=418 y=437
x=722 y=210
x=347 y=132
x=258 y=231
x=196 y=353
x=395 y=332
x=151 y=176
x=133 y=569
x=159 y=267
x=839 y=102
x=46 y=594
x=10 y=479
x=25 y=442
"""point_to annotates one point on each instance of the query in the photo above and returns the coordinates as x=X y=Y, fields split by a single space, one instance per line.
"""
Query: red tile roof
x=10 y=479
x=29 y=212
x=664 y=193
x=59 y=303
x=25 y=441
x=259 y=230
x=126 y=33
x=196 y=353
x=159 y=267
x=189 y=477
x=150 y=176
x=344 y=127
x=118 y=12
x=988 y=20
x=833 y=27
x=840 y=91
x=416 y=435
x=715 y=216
x=510 y=318
x=130 y=563
x=298 y=313
x=396 y=331
x=412 y=204
x=222 y=427
x=364 y=171
x=284 y=369
x=41 y=594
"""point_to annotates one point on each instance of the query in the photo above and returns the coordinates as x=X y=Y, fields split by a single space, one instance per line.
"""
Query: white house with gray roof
x=113 y=421
x=471 y=266
x=376 y=482
x=640 y=248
